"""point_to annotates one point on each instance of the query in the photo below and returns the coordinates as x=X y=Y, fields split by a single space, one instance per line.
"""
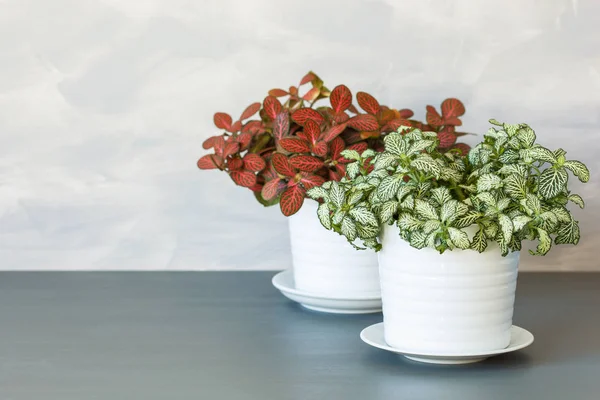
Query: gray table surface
x=231 y=335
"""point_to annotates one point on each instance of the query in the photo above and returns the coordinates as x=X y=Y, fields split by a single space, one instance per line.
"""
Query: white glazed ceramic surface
x=459 y=301
x=374 y=336
x=325 y=263
x=284 y=281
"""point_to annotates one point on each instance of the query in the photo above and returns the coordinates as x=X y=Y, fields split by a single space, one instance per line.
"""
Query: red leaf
x=359 y=147
x=281 y=126
x=237 y=125
x=210 y=142
x=244 y=140
x=341 y=98
x=312 y=130
x=370 y=134
x=254 y=162
x=243 y=178
x=433 y=117
x=309 y=181
x=257 y=187
x=312 y=94
x=352 y=109
x=235 y=164
x=272 y=106
x=454 y=121
x=295 y=145
x=230 y=149
x=452 y=108
x=307 y=78
x=222 y=120
x=367 y=102
x=334 y=176
x=269 y=172
x=302 y=115
x=253 y=127
x=278 y=93
x=273 y=188
x=463 y=147
x=320 y=149
x=250 y=111
x=341 y=169
x=293 y=90
x=406 y=113
x=363 y=122
x=336 y=147
x=219 y=145
x=291 y=200
x=447 y=139
x=333 y=132
x=282 y=165
x=340 y=117
x=306 y=163
x=352 y=136
x=393 y=125
x=210 y=161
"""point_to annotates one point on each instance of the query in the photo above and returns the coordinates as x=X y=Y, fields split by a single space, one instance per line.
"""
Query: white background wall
x=104 y=105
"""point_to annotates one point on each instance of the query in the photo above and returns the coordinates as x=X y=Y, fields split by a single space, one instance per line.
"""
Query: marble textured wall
x=104 y=105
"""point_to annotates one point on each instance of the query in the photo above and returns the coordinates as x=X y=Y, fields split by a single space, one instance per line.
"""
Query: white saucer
x=284 y=281
x=373 y=335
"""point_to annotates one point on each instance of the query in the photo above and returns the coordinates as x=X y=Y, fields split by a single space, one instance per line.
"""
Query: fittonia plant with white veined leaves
x=506 y=190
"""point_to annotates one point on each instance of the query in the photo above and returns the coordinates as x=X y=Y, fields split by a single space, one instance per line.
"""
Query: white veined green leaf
x=506 y=226
x=562 y=214
x=484 y=155
x=510 y=169
x=491 y=230
x=425 y=210
x=323 y=213
x=520 y=221
x=545 y=243
x=408 y=202
x=488 y=182
x=349 y=229
x=503 y=244
x=419 y=146
x=487 y=198
x=384 y=160
x=353 y=169
x=568 y=233
x=538 y=153
x=548 y=221
x=363 y=216
x=526 y=136
x=429 y=134
x=408 y=222
x=351 y=154
x=575 y=198
x=387 y=211
x=441 y=195
x=511 y=129
x=515 y=243
x=503 y=204
x=474 y=155
x=459 y=238
x=318 y=192
x=533 y=203
x=516 y=186
x=431 y=240
x=367 y=231
x=368 y=153
x=417 y=239
x=509 y=156
x=467 y=220
x=448 y=210
x=355 y=197
x=560 y=153
x=426 y=164
x=500 y=142
x=414 y=135
x=492 y=133
x=431 y=225
x=394 y=144
x=388 y=188
x=336 y=194
x=469 y=188
x=372 y=244
x=479 y=241
x=513 y=143
x=423 y=187
x=327 y=185
x=552 y=182
x=403 y=191
x=449 y=174
x=363 y=186
x=338 y=216
x=578 y=169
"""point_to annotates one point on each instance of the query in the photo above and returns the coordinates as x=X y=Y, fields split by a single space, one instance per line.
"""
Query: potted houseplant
x=296 y=145
x=449 y=230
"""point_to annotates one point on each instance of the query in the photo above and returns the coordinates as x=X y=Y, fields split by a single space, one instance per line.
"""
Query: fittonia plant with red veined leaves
x=296 y=145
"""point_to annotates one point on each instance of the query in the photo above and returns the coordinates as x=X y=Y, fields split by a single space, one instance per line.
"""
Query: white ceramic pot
x=325 y=263
x=457 y=302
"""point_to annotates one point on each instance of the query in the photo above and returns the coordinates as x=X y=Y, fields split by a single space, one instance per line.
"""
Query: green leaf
x=467 y=220
x=419 y=146
x=349 y=229
x=431 y=225
x=552 y=182
x=520 y=221
x=568 y=233
x=506 y=226
x=509 y=156
x=323 y=213
x=388 y=209
x=409 y=222
x=513 y=169
x=336 y=194
x=353 y=169
x=562 y=214
x=403 y=191
x=526 y=136
x=367 y=231
x=351 y=154
x=394 y=144
x=545 y=243
x=459 y=238
x=363 y=216
x=487 y=198
x=575 y=198
x=538 y=153
x=515 y=186
x=355 y=197
x=384 y=160
x=388 y=188
x=549 y=220
x=338 y=216
x=479 y=241
x=368 y=153
x=318 y=192
x=491 y=230
x=533 y=203
x=426 y=164
x=418 y=239
x=448 y=210
x=488 y=182
x=408 y=202
x=578 y=169
x=425 y=210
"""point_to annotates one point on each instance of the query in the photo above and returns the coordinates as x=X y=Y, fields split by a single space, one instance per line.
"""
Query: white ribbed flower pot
x=325 y=263
x=456 y=302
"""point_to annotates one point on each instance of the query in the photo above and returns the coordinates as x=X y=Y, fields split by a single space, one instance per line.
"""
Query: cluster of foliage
x=506 y=190
x=297 y=145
